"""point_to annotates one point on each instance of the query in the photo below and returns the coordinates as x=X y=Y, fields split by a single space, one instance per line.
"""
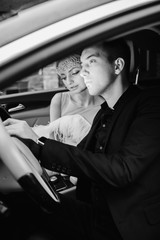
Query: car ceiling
x=45 y=14
x=10 y=8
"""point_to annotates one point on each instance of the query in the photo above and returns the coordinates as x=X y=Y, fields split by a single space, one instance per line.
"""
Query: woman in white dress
x=71 y=112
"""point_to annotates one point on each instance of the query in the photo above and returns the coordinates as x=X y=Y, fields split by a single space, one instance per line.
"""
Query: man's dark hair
x=118 y=48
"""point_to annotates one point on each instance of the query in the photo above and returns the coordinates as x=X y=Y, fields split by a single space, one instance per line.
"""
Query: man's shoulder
x=150 y=98
x=150 y=91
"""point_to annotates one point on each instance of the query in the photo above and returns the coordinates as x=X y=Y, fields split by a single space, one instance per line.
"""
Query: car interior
x=144 y=71
x=145 y=57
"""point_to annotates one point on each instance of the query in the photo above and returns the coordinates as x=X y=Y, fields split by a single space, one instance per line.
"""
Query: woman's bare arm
x=55 y=107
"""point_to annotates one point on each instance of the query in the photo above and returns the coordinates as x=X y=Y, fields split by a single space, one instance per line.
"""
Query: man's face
x=97 y=72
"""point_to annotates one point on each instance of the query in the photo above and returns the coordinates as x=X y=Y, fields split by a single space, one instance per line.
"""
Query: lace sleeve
x=69 y=129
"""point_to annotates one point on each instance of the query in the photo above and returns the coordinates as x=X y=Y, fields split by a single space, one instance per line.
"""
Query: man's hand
x=19 y=128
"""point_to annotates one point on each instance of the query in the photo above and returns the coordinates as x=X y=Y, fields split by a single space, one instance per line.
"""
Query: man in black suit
x=117 y=163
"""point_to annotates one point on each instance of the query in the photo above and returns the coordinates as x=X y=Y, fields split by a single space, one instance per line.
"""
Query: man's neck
x=114 y=93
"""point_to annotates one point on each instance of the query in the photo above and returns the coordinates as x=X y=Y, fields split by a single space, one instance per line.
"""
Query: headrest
x=145 y=55
x=134 y=60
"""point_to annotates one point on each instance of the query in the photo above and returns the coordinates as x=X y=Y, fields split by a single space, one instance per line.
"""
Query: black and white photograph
x=79 y=119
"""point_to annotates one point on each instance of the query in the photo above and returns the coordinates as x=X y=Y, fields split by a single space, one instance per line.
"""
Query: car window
x=44 y=79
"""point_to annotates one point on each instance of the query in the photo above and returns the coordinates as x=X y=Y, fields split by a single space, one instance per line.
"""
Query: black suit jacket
x=127 y=176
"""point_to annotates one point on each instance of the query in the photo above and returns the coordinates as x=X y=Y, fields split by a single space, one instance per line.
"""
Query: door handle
x=17 y=108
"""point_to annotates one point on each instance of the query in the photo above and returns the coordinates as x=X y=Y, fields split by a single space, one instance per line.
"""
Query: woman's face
x=72 y=79
x=69 y=71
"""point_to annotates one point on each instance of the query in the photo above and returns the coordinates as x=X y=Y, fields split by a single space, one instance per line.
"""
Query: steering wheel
x=26 y=170
x=4 y=114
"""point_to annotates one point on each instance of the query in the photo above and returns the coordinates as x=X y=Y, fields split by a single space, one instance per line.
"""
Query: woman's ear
x=119 y=65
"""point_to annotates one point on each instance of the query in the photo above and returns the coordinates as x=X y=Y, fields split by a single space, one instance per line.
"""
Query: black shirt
x=102 y=127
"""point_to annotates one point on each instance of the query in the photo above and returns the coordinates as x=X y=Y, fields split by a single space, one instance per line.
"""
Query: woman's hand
x=19 y=128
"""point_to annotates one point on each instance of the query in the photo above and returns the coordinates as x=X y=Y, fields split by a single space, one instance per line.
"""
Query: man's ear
x=119 y=65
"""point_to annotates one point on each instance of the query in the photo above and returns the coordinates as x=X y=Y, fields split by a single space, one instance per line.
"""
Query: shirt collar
x=104 y=105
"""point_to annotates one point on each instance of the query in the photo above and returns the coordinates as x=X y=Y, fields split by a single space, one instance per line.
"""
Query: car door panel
x=32 y=107
x=34 y=117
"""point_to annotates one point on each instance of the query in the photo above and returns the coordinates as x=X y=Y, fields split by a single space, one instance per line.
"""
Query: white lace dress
x=70 y=129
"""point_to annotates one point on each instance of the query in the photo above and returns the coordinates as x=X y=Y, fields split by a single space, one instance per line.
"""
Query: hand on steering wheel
x=26 y=170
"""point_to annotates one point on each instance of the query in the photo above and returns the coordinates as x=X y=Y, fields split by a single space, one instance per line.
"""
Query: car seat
x=145 y=57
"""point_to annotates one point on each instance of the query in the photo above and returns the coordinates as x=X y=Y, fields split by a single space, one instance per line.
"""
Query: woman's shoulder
x=65 y=96
x=56 y=97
